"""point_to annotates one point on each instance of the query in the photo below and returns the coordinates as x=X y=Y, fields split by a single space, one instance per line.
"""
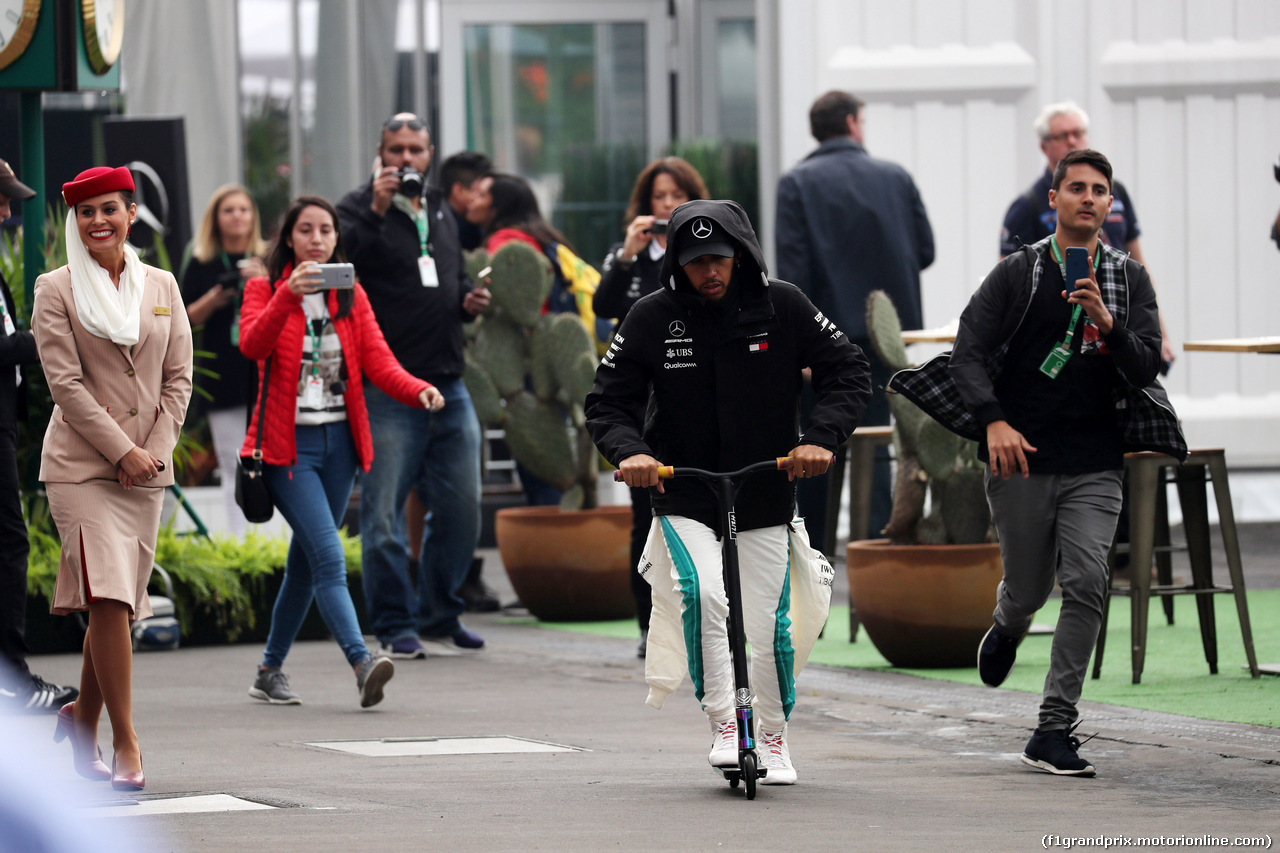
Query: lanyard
x=235 y=302
x=1062 y=265
x=317 y=329
x=419 y=217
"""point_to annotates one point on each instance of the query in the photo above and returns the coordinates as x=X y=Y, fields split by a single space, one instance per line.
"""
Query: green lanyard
x=1060 y=354
x=235 y=309
x=420 y=219
x=1062 y=265
x=317 y=329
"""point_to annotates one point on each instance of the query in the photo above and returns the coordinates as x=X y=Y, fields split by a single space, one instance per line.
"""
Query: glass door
x=571 y=95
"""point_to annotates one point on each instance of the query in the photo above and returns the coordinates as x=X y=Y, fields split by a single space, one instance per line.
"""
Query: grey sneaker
x=272 y=685
x=371 y=674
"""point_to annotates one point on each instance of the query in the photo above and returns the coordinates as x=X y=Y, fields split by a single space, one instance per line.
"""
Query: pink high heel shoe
x=87 y=765
x=127 y=781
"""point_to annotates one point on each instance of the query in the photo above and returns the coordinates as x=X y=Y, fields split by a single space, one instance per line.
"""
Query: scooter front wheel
x=749 y=774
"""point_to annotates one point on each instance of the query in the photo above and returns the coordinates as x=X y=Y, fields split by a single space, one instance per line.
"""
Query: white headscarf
x=104 y=310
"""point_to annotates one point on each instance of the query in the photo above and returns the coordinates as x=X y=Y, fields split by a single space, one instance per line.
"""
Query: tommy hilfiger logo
x=761 y=346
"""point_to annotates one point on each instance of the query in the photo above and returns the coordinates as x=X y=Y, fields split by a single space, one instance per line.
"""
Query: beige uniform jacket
x=108 y=397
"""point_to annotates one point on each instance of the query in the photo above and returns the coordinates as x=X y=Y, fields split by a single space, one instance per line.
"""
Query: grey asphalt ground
x=886 y=761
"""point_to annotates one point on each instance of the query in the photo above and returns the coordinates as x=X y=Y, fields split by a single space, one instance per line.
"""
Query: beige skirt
x=108 y=544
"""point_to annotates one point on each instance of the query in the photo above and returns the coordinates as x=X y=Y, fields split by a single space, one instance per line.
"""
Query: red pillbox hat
x=96 y=181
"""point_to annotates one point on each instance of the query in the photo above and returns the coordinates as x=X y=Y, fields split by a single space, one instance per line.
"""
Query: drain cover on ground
x=393 y=746
x=179 y=805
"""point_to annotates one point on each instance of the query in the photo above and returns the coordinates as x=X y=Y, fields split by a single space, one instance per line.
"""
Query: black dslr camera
x=410 y=182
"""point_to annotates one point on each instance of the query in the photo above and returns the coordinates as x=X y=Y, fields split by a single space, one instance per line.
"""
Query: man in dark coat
x=849 y=224
x=20 y=690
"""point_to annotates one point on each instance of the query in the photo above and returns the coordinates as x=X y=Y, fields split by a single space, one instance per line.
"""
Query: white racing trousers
x=786 y=592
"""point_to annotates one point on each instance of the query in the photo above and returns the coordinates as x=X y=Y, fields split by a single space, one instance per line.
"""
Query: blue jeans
x=312 y=496
x=437 y=453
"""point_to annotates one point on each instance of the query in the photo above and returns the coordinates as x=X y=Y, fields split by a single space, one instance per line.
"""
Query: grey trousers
x=1053 y=524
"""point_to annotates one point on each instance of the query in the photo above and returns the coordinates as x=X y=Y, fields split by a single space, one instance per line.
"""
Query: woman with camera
x=226 y=252
x=115 y=346
x=314 y=337
x=633 y=268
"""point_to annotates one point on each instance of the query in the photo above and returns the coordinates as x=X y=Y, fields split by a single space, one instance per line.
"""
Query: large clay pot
x=924 y=606
x=568 y=566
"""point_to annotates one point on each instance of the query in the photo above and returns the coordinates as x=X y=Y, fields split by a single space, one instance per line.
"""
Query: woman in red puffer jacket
x=316 y=345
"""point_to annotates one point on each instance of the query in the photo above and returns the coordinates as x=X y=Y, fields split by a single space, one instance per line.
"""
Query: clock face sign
x=103 y=22
x=17 y=23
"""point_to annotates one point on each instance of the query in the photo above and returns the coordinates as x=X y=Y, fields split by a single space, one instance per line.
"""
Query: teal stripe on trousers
x=784 y=654
x=691 y=597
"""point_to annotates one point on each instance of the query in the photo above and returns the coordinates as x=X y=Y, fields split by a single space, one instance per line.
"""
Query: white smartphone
x=337 y=276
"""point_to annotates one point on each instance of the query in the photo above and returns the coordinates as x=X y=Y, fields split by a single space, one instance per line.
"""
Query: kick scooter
x=725 y=486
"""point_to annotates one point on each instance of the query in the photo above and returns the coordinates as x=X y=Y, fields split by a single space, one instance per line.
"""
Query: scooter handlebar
x=666 y=472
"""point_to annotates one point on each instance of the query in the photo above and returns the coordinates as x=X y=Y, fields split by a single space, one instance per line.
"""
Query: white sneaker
x=724 y=744
x=776 y=758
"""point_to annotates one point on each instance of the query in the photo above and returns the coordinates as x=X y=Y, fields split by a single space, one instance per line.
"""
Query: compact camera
x=410 y=182
x=658 y=227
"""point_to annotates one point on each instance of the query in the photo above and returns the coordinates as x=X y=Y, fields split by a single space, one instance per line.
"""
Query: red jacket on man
x=273 y=324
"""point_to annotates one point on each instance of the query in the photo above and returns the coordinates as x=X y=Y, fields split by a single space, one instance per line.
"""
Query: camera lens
x=410 y=182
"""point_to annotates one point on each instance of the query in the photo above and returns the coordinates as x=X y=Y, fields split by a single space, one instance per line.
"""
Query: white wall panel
x=939 y=22
x=1183 y=96
x=1210 y=222
x=887 y=24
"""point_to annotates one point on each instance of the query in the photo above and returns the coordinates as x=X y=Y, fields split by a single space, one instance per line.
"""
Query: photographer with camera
x=226 y=252
x=405 y=249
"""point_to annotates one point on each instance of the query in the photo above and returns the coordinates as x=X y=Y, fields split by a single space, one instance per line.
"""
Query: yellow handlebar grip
x=666 y=472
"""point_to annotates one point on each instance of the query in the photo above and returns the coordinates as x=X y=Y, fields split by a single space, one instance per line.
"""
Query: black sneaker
x=996 y=654
x=475 y=594
x=643 y=648
x=478 y=598
x=1055 y=752
x=38 y=696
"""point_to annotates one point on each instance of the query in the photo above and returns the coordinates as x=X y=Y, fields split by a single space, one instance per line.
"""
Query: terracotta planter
x=568 y=566
x=924 y=606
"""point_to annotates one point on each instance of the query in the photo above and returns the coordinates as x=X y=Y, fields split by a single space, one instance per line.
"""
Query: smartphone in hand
x=1077 y=266
x=336 y=276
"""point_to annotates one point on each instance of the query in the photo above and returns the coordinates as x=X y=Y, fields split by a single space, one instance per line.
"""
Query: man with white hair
x=1064 y=127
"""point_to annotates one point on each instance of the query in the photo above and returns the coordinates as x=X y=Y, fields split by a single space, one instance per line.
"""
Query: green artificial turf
x=1175 y=679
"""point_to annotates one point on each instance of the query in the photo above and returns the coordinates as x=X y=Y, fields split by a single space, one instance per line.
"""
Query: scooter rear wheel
x=749 y=774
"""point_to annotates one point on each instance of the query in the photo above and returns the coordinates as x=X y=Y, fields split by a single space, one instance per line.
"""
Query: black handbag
x=251 y=489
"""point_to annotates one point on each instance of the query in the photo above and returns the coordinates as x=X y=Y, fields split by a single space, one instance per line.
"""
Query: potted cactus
x=926 y=592
x=528 y=374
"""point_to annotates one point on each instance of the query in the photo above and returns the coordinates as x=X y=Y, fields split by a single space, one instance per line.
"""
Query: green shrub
x=222 y=584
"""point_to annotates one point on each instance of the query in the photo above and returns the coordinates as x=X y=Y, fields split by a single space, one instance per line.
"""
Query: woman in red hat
x=115 y=344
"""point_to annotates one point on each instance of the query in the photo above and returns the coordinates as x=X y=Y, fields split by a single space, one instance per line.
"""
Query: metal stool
x=1146 y=475
x=861 y=452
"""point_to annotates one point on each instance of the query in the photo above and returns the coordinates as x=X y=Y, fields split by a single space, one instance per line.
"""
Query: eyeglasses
x=394 y=124
x=1079 y=133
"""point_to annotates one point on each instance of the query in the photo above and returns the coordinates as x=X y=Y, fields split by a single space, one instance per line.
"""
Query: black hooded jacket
x=726 y=379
